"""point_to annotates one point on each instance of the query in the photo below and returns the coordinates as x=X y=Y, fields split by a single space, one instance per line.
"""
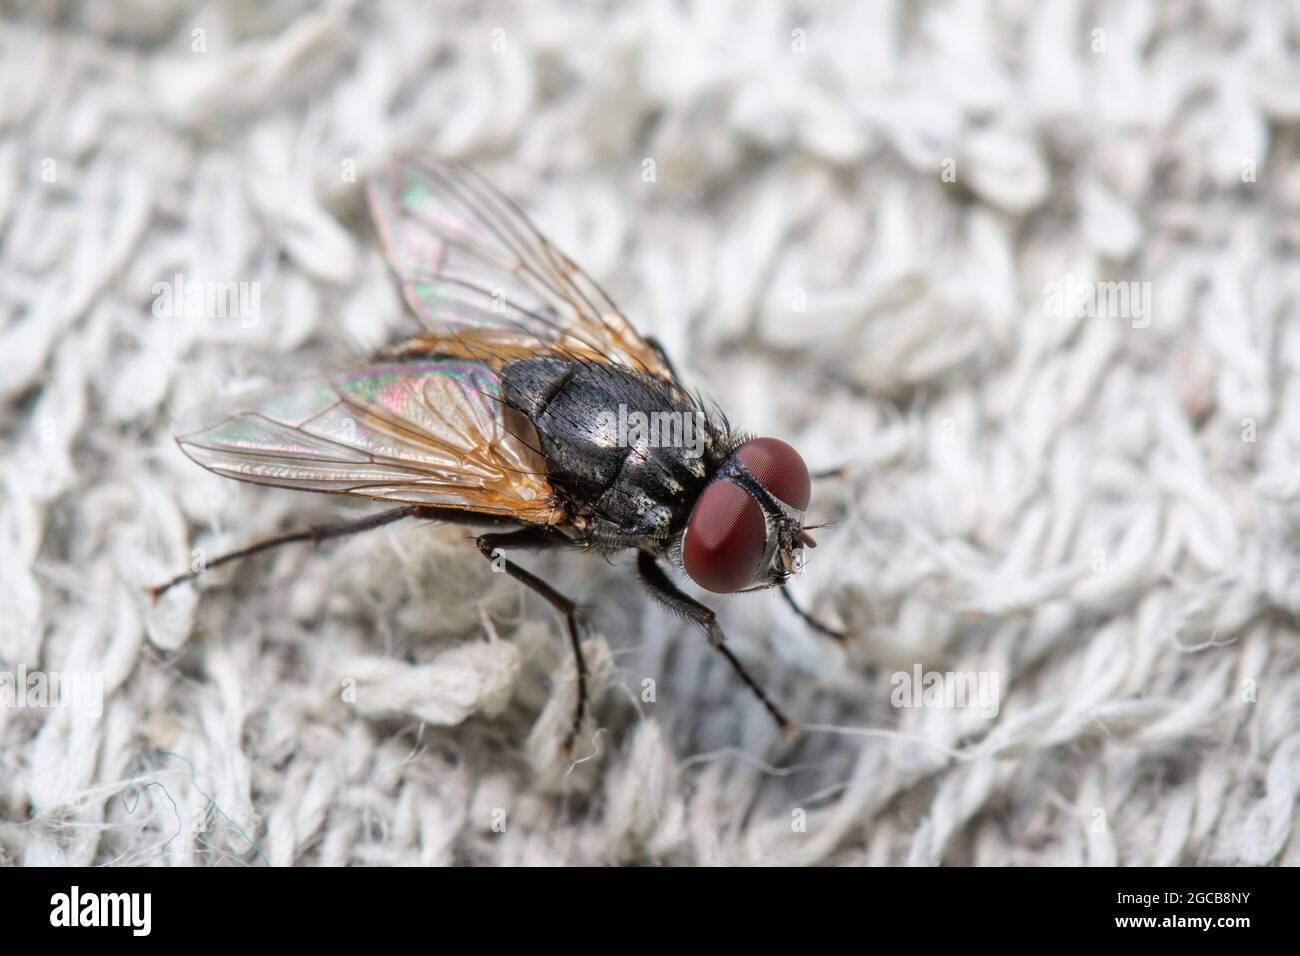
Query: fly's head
x=746 y=529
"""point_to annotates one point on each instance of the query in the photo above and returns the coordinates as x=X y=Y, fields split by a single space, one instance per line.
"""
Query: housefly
x=527 y=410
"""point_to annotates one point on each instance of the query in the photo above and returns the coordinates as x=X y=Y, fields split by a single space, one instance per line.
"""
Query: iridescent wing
x=475 y=269
x=426 y=433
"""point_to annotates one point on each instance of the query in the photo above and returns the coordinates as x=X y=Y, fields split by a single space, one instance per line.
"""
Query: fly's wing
x=477 y=271
x=426 y=433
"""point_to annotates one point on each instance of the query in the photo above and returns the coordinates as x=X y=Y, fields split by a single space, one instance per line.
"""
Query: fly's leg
x=667 y=593
x=488 y=546
x=822 y=628
x=314 y=534
x=655 y=344
x=831 y=632
x=325 y=532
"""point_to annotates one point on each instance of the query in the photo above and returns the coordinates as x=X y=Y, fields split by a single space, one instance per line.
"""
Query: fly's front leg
x=822 y=628
x=831 y=632
x=703 y=617
x=488 y=546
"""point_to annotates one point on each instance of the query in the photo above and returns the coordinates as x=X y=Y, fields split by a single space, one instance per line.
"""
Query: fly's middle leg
x=489 y=545
x=667 y=593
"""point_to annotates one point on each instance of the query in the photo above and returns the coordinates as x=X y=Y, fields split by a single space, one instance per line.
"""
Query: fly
x=530 y=409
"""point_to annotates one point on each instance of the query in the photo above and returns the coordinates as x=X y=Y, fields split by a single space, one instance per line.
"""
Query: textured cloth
x=1027 y=270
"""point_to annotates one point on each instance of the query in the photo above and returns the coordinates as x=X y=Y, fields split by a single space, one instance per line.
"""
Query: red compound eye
x=779 y=469
x=725 y=538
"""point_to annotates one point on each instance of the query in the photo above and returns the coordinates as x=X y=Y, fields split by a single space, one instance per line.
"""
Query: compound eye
x=725 y=538
x=779 y=469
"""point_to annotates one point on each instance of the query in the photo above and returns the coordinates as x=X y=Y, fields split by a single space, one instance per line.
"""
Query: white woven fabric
x=852 y=227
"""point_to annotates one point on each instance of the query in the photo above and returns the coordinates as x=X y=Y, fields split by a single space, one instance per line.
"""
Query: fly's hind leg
x=662 y=352
x=325 y=532
x=314 y=534
x=489 y=545
x=703 y=617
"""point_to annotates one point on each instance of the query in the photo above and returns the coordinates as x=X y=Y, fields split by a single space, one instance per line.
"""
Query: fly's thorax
x=633 y=450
